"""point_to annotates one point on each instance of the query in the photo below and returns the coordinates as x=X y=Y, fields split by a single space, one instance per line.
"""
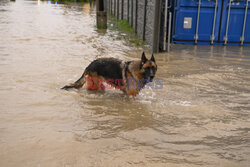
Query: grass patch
x=123 y=26
x=66 y=1
x=126 y=32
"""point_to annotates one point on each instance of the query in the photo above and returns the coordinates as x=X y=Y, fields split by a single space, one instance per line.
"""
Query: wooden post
x=157 y=25
x=101 y=15
x=97 y=5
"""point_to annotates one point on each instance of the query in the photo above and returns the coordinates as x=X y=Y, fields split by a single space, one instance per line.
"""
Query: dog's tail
x=77 y=84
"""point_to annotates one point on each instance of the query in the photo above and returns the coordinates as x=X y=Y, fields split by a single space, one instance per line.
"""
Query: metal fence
x=143 y=15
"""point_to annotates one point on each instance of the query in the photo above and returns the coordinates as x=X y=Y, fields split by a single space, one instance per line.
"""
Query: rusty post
x=101 y=15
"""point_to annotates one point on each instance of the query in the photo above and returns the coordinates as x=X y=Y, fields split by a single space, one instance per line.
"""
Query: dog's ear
x=143 y=58
x=152 y=58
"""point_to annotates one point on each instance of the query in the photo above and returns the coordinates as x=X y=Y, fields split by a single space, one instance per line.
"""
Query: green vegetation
x=124 y=27
x=127 y=33
x=62 y=1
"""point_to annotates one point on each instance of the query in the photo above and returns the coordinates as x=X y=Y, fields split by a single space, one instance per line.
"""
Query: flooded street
x=200 y=116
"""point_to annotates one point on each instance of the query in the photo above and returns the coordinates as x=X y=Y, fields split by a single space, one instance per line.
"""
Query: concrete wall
x=120 y=8
x=125 y=10
x=134 y=13
x=140 y=21
x=150 y=22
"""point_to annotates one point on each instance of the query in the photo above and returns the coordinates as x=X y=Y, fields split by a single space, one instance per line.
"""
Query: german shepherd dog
x=128 y=76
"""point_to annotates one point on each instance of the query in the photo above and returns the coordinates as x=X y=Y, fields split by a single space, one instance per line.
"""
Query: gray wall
x=150 y=22
x=140 y=20
x=125 y=10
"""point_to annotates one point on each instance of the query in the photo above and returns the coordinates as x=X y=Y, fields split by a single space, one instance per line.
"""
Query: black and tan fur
x=118 y=73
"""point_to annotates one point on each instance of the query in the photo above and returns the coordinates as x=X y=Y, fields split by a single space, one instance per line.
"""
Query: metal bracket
x=225 y=39
x=212 y=39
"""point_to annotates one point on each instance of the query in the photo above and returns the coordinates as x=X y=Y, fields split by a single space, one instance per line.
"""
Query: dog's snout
x=151 y=74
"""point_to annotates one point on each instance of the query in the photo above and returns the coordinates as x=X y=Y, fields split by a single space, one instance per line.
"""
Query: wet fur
x=114 y=70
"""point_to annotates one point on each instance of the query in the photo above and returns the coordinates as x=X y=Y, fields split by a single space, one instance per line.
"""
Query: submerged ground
x=200 y=117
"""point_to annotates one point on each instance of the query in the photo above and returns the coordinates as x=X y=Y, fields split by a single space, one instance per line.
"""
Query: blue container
x=211 y=22
x=196 y=21
x=235 y=22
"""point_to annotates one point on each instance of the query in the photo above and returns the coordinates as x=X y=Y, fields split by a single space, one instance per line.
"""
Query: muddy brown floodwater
x=200 y=116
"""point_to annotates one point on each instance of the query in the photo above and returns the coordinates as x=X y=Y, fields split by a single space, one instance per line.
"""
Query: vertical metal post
x=228 y=16
x=111 y=6
x=115 y=7
x=132 y=13
x=244 y=25
x=108 y=6
x=122 y=9
x=118 y=9
x=128 y=10
x=215 y=12
x=145 y=19
x=197 y=23
x=136 y=14
x=169 y=30
x=165 y=25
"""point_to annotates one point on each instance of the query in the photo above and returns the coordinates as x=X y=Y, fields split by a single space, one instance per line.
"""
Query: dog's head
x=148 y=68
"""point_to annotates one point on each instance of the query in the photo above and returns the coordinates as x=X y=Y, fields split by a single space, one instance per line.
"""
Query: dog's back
x=108 y=68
